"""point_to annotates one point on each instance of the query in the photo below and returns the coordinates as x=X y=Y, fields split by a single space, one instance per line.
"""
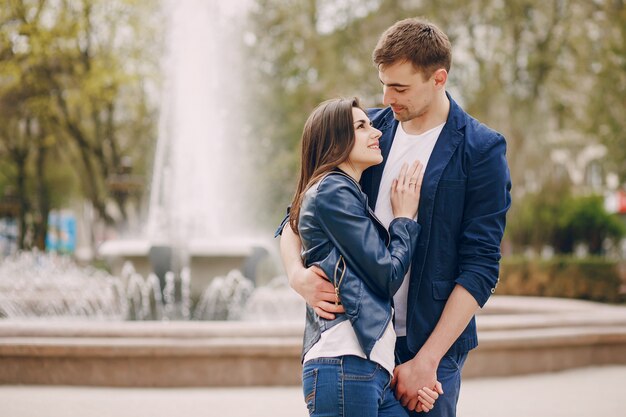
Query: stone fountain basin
x=205 y=258
x=518 y=335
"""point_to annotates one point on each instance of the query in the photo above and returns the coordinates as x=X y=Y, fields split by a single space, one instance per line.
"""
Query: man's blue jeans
x=448 y=373
x=348 y=386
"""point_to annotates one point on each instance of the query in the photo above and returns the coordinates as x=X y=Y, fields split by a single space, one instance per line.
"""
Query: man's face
x=406 y=90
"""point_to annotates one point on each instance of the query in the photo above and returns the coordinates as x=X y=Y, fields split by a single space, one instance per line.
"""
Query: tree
x=77 y=79
x=587 y=222
x=547 y=74
x=605 y=61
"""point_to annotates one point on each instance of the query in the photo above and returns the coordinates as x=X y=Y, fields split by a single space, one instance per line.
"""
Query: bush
x=555 y=218
x=586 y=221
x=591 y=278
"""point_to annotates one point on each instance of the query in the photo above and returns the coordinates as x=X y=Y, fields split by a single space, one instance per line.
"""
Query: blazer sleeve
x=487 y=200
x=343 y=216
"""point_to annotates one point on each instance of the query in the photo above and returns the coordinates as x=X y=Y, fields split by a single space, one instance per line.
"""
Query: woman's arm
x=343 y=216
x=310 y=283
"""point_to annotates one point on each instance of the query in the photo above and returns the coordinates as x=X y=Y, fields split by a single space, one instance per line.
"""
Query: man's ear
x=441 y=77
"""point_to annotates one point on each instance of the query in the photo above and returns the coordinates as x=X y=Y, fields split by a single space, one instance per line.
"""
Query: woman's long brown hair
x=327 y=139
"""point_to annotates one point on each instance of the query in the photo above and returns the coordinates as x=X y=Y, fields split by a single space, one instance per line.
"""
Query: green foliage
x=305 y=52
x=607 y=62
x=533 y=221
x=586 y=221
x=554 y=217
x=547 y=74
x=75 y=82
x=592 y=278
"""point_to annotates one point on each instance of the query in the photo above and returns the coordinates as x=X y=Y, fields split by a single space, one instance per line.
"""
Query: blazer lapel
x=447 y=143
x=449 y=139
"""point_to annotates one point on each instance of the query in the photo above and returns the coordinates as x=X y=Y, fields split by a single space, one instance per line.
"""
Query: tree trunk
x=43 y=195
x=20 y=161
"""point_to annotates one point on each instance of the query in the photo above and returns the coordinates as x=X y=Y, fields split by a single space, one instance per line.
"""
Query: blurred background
x=149 y=148
x=83 y=94
x=549 y=75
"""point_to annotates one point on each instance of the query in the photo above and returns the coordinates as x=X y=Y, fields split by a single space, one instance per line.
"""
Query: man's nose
x=388 y=96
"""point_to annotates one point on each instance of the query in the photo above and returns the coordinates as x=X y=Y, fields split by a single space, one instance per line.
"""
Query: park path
x=597 y=391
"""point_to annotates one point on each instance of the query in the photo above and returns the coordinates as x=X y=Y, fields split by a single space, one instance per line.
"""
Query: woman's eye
x=401 y=90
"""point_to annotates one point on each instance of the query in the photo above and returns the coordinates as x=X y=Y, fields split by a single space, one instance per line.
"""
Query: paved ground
x=585 y=392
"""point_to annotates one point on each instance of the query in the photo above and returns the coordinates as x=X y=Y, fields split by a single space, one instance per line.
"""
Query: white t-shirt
x=405 y=148
x=340 y=340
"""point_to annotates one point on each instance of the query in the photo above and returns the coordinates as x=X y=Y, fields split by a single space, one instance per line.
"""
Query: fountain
x=197 y=257
x=197 y=215
x=36 y=286
x=517 y=334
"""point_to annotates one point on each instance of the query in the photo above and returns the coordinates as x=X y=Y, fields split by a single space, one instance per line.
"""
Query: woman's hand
x=427 y=398
x=405 y=190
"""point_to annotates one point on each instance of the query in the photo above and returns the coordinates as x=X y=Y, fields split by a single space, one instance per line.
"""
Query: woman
x=348 y=361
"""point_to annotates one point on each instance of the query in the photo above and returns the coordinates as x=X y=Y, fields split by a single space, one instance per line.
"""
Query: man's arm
x=484 y=216
x=421 y=371
x=310 y=283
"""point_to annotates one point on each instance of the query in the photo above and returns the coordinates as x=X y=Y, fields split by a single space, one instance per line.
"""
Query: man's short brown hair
x=417 y=41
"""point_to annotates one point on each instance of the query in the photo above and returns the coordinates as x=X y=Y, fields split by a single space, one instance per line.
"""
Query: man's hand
x=411 y=376
x=310 y=283
x=317 y=291
x=421 y=371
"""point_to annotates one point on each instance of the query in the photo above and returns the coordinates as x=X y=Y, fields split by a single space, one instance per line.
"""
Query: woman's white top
x=341 y=340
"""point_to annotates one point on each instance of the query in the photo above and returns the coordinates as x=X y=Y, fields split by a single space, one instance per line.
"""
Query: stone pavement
x=588 y=392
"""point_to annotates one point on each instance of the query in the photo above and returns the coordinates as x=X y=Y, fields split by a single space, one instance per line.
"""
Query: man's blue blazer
x=464 y=199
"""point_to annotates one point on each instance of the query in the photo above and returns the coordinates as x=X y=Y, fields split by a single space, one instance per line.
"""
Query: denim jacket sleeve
x=487 y=200
x=342 y=212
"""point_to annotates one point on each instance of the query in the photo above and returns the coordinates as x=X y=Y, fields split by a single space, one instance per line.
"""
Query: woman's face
x=366 y=151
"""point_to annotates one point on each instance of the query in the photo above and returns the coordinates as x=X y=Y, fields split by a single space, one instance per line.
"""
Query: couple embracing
x=393 y=237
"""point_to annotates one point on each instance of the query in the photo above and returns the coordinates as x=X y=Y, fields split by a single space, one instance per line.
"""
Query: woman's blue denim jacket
x=366 y=263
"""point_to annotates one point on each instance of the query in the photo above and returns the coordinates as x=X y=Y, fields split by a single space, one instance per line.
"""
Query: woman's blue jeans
x=348 y=386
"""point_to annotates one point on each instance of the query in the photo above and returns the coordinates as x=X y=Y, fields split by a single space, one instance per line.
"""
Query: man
x=464 y=199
